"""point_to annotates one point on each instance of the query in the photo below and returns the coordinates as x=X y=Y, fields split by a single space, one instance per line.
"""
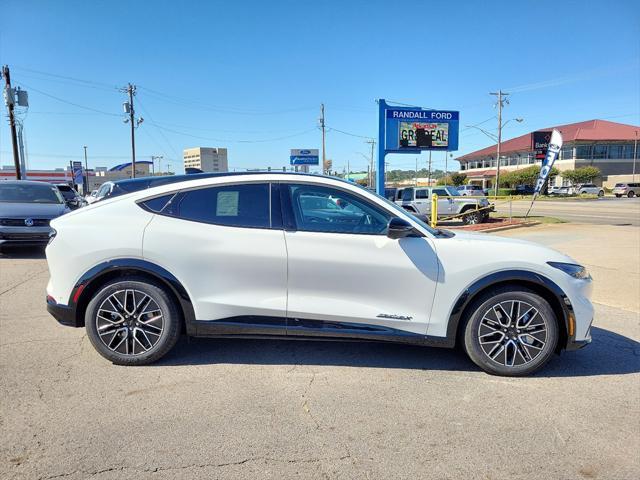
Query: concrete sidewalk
x=611 y=253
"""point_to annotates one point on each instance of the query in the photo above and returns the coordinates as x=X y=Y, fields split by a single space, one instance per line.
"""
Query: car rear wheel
x=618 y=195
x=631 y=194
x=132 y=321
x=511 y=331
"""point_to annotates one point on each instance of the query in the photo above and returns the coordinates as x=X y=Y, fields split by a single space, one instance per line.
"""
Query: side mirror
x=399 y=228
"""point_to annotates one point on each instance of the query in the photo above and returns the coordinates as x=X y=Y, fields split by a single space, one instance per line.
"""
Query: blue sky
x=244 y=75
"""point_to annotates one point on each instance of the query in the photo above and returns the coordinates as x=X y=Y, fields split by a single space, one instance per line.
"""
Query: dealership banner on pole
x=77 y=173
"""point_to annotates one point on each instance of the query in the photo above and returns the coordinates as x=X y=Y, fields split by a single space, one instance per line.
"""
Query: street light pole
x=499 y=94
x=635 y=151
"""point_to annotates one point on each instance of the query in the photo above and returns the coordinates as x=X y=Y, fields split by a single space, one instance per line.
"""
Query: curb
x=510 y=227
x=499 y=228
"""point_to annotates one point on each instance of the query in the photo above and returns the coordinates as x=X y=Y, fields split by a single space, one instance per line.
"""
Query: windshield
x=29 y=193
x=619 y=184
x=453 y=192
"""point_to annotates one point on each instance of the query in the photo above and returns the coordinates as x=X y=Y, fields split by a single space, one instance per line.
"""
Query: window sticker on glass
x=227 y=204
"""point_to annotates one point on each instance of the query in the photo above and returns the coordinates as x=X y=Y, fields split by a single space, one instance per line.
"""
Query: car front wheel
x=601 y=193
x=631 y=194
x=132 y=321
x=511 y=331
x=473 y=217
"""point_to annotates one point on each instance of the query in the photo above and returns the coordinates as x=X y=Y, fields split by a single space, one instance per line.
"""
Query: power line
x=331 y=129
x=199 y=105
x=70 y=103
x=64 y=77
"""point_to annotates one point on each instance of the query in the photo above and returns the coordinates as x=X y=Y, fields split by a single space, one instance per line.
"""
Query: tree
x=523 y=176
x=582 y=175
x=458 y=178
x=444 y=181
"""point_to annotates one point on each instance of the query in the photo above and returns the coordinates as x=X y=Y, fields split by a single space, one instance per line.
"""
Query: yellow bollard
x=434 y=210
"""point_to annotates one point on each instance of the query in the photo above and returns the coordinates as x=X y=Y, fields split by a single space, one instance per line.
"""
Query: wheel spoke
x=129 y=322
x=512 y=333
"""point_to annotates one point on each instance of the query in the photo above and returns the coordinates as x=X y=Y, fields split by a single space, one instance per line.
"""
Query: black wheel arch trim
x=550 y=290
x=78 y=298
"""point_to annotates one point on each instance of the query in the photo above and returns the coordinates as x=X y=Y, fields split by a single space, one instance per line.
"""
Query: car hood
x=498 y=249
x=36 y=210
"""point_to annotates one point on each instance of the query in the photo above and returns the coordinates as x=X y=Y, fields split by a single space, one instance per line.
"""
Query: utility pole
x=153 y=163
x=129 y=109
x=415 y=179
x=446 y=168
x=429 y=177
x=85 y=187
x=9 y=102
x=372 y=177
x=324 y=156
x=502 y=98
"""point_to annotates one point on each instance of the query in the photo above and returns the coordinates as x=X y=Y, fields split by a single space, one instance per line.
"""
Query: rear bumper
x=64 y=314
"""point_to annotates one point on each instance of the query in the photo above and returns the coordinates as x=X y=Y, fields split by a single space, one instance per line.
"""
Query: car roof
x=130 y=185
x=24 y=182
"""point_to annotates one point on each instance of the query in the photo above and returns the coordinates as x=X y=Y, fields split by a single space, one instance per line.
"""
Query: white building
x=206 y=159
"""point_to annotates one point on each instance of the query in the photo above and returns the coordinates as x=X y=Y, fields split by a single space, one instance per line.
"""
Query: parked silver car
x=590 y=188
x=626 y=189
x=26 y=208
x=470 y=190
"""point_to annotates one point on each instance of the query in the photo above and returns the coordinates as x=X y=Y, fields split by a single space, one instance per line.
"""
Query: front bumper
x=64 y=314
x=24 y=236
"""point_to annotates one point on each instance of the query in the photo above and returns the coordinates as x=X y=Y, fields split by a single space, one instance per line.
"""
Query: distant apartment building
x=206 y=159
x=612 y=147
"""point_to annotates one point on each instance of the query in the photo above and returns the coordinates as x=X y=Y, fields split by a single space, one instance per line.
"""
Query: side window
x=441 y=192
x=325 y=209
x=103 y=190
x=422 y=194
x=231 y=205
x=157 y=204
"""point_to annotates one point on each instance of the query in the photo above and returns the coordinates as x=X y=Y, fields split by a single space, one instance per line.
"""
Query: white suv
x=290 y=255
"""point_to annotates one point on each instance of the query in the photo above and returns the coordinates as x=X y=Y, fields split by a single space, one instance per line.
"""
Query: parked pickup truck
x=417 y=200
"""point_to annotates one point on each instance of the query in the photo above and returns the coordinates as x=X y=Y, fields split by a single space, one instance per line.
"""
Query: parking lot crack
x=28 y=279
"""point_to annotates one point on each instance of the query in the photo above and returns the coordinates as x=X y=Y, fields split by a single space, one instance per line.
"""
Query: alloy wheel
x=512 y=333
x=129 y=322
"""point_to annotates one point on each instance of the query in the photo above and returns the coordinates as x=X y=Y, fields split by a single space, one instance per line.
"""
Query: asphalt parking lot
x=272 y=409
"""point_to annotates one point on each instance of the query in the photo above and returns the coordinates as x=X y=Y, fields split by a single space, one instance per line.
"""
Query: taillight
x=52 y=235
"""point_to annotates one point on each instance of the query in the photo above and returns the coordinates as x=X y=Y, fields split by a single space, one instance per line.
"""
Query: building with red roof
x=610 y=146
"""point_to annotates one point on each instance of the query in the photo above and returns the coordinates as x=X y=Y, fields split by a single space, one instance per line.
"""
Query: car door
x=346 y=277
x=446 y=205
x=227 y=249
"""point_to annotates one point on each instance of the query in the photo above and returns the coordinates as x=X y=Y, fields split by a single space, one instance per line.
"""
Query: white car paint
x=365 y=279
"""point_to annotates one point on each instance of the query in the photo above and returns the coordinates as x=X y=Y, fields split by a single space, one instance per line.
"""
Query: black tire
x=153 y=328
x=515 y=343
x=631 y=194
x=618 y=195
x=601 y=193
x=472 y=217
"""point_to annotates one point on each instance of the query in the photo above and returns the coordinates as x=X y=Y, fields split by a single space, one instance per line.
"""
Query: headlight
x=576 y=271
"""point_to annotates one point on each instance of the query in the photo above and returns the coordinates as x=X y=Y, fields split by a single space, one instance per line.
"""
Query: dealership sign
x=309 y=156
x=412 y=130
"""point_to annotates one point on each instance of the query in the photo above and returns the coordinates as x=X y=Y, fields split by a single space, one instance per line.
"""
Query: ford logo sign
x=305 y=152
x=28 y=222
